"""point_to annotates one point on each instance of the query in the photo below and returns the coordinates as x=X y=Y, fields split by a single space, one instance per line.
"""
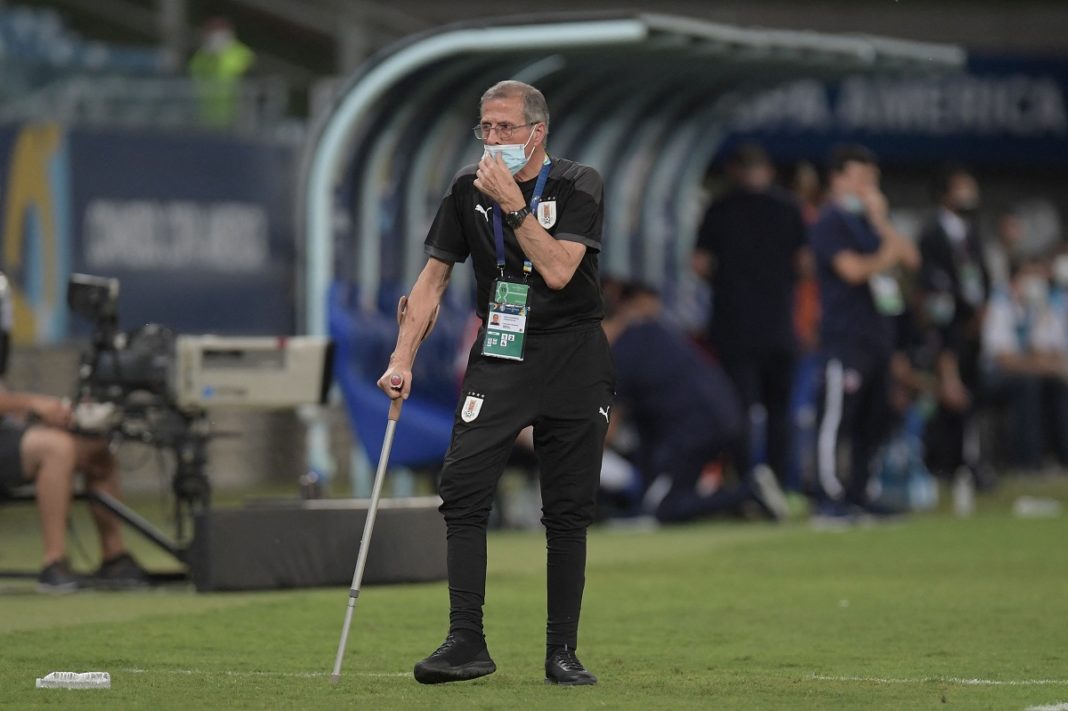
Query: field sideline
x=932 y=612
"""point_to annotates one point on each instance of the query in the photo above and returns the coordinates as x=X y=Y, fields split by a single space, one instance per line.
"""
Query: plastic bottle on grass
x=75 y=680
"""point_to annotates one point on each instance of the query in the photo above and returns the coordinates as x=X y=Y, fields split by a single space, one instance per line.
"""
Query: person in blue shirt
x=857 y=250
x=685 y=410
x=1025 y=363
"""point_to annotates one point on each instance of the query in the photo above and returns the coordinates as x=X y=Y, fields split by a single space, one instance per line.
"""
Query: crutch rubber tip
x=334 y=679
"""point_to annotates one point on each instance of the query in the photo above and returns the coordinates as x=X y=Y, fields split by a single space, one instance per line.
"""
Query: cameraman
x=36 y=445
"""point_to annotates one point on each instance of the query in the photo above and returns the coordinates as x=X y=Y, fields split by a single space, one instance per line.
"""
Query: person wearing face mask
x=1025 y=357
x=1004 y=254
x=955 y=284
x=531 y=224
x=1059 y=286
x=857 y=250
x=217 y=67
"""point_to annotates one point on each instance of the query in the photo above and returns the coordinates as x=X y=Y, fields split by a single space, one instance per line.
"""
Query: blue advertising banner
x=999 y=111
x=197 y=228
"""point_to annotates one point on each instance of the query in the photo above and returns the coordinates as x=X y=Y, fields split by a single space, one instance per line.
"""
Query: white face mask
x=965 y=202
x=940 y=308
x=1034 y=290
x=218 y=40
x=851 y=202
x=514 y=154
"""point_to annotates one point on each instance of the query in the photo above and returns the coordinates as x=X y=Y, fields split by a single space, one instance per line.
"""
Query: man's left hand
x=495 y=182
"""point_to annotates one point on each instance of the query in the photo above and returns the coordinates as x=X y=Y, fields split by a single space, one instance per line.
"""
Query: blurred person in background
x=857 y=249
x=749 y=247
x=1003 y=255
x=37 y=446
x=1059 y=283
x=955 y=285
x=808 y=190
x=217 y=68
x=807 y=187
x=685 y=411
x=904 y=482
x=1025 y=351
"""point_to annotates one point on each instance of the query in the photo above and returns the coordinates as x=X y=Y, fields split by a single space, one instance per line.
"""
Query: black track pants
x=563 y=387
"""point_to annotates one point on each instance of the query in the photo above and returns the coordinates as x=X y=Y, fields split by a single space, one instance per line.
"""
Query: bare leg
x=48 y=457
x=102 y=474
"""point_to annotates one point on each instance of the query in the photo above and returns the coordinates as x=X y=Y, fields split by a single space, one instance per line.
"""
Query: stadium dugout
x=645 y=98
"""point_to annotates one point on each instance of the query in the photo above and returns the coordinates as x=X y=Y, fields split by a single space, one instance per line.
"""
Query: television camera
x=155 y=386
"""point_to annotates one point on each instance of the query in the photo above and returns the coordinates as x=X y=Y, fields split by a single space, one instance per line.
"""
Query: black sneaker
x=460 y=658
x=563 y=667
x=832 y=515
x=876 y=510
x=57 y=578
x=120 y=573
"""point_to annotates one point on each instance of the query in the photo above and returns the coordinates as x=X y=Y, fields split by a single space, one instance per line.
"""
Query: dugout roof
x=644 y=98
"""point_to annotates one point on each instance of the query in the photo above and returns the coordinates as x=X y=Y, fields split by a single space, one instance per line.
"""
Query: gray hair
x=535 y=109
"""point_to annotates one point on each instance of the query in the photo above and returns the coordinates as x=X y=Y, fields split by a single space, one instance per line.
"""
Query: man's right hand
x=876 y=206
x=396 y=382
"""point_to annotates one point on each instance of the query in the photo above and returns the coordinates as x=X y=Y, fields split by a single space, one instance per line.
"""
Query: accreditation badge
x=506 y=320
x=886 y=293
x=971 y=285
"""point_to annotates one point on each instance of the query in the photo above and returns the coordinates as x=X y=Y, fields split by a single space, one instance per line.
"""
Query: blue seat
x=363 y=341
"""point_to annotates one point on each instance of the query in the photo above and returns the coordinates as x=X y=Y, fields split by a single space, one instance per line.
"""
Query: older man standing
x=531 y=224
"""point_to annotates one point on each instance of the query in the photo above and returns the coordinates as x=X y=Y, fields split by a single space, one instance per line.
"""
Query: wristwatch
x=515 y=219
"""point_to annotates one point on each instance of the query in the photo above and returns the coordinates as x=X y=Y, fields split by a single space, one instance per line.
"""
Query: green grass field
x=932 y=612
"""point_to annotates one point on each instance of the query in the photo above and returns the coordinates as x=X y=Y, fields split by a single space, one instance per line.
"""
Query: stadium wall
x=197 y=227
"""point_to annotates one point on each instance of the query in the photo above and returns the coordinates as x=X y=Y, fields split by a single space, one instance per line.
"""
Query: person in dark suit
x=956 y=286
x=750 y=247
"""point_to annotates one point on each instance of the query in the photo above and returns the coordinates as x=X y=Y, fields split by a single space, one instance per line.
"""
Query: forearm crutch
x=397 y=382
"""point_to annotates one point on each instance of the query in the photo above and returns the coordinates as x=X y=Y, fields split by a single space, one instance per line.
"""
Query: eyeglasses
x=504 y=130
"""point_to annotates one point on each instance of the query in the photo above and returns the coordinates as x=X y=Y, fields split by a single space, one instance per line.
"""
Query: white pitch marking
x=1062 y=706
x=223 y=672
x=946 y=680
